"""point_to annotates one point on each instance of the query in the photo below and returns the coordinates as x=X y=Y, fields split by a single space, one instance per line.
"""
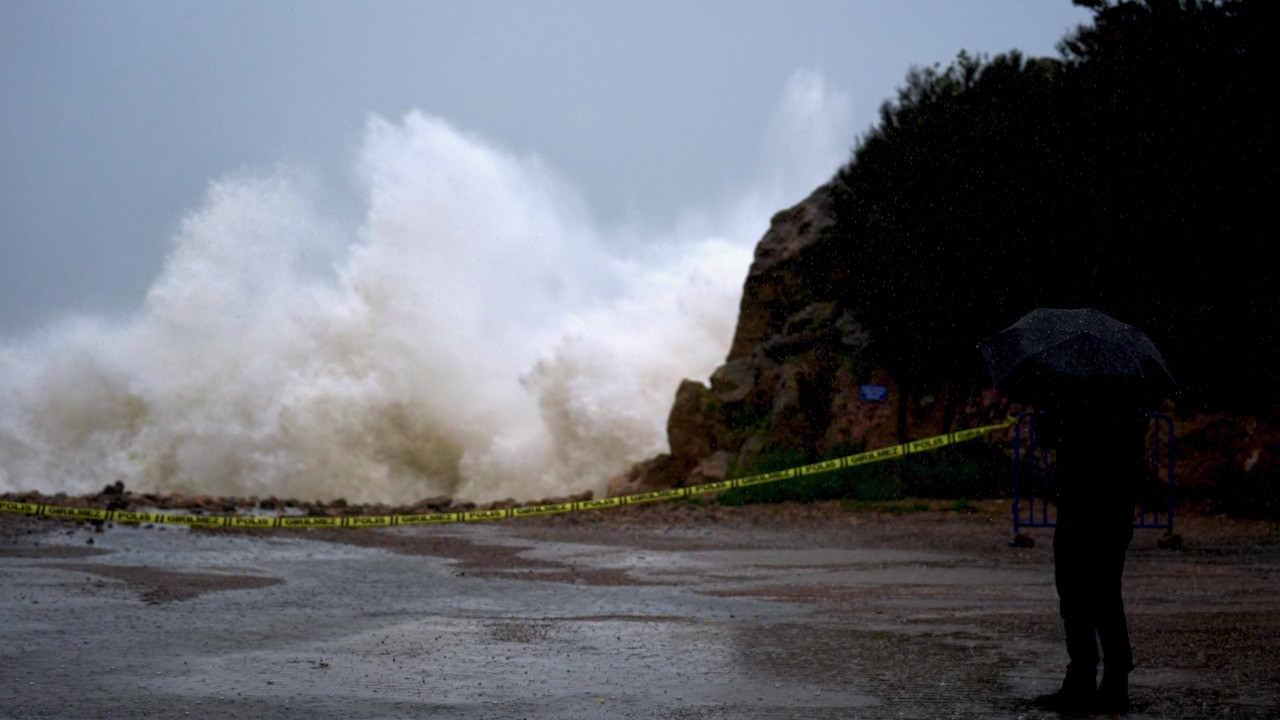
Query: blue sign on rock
x=875 y=393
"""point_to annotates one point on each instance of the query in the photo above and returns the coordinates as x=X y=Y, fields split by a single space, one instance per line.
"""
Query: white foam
x=477 y=336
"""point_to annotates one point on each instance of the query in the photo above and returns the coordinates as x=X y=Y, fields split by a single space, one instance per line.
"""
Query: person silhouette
x=1098 y=441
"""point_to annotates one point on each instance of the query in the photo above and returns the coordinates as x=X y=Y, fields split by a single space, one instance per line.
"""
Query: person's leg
x=1073 y=570
x=1113 y=628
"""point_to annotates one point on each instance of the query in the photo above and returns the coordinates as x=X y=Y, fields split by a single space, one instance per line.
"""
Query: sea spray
x=476 y=336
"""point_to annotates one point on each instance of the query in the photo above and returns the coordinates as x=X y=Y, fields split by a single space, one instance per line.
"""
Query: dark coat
x=1098 y=460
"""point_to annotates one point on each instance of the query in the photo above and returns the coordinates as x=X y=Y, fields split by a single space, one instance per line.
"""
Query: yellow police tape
x=357 y=521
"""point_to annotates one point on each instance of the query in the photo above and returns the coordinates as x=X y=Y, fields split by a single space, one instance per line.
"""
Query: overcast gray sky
x=116 y=115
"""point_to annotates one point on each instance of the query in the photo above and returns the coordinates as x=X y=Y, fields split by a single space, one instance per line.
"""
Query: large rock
x=778 y=284
x=792 y=380
x=691 y=425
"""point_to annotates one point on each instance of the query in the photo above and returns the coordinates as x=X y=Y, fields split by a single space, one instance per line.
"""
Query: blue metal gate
x=1031 y=505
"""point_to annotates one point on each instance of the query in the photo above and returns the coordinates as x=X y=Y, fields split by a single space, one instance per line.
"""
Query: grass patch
x=978 y=469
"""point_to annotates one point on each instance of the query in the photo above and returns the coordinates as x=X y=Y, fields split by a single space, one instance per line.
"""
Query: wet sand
x=664 y=611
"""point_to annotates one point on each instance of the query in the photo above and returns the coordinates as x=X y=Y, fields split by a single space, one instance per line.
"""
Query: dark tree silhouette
x=1135 y=174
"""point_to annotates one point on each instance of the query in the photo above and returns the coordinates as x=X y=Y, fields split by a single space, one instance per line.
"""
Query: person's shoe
x=1113 y=694
x=1078 y=695
x=1067 y=703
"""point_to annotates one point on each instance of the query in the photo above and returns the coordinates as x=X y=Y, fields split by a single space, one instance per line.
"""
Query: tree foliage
x=1133 y=174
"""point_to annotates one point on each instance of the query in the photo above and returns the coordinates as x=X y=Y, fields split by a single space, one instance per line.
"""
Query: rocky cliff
x=799 y=378
x=795 y=374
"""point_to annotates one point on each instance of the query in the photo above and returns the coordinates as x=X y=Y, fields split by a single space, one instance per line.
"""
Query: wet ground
x=670 y=611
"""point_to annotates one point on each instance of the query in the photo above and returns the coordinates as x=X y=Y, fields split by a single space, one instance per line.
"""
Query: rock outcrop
x=793 y=380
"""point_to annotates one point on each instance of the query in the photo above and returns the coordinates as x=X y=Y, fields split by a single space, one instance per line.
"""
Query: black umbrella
x=1053 y=354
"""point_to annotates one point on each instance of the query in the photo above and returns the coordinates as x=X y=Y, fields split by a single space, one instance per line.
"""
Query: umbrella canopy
x=1055 y=354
